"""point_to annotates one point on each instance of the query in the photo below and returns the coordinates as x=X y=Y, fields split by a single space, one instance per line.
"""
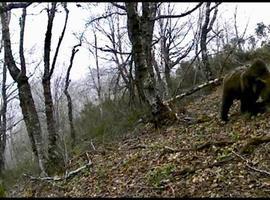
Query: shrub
x=107 y=121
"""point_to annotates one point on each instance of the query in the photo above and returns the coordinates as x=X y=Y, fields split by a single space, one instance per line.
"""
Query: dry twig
x=249 y=166
x=67 y=174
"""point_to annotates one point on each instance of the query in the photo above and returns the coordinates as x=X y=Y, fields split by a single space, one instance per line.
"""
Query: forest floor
x=201 y=157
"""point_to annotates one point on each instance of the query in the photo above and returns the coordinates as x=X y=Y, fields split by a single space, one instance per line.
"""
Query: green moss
x=159 y=174
x=223 y=154
x=234 y=136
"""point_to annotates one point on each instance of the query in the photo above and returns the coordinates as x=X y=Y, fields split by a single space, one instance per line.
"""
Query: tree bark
x=135 y=36
x=98 y=71
x=31 y=120
x=69 y=100
x=3 y=112
x=207 y=26
x=53 y=154
x=3 y=121
x=55 y=159
x=25 y=96
x=160 y=83
x=204 y=32
x=139 y=49
x=140 y=32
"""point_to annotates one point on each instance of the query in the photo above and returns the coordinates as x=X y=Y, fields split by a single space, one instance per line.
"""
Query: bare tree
x=140 y=26
x=3 y=120
x=69 y=100
x=122 y=58
x=172 y=36
x=161 y=87
x=206 y=28
x=3 y=111
x=25 y=96
x=57 y=88
x=239 y=39
x=97 y=84
x=140 y=31
x=122 y=78
x=54 y=155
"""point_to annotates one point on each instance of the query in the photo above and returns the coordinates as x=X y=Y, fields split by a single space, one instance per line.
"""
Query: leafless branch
x=66 y=176
x=181 y=15
x=217 y=4
x=104 y=17
x=112 y=50
x=14 y=124
x=213 y=19
x=74 y=51
x=60 y=41
x=183 y=37
x=192 y=61
x=22 y=59
x=243 y=35
x=118 y=6
x=235 y=25
x=47 y=42
x=17 y=5
x=92 y=145
x=195 y=89
x=9 y=95
x=183 y=55
x=10 y=85
x=249 y=166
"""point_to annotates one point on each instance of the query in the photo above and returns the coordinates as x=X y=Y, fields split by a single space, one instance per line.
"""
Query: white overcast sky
x=36 y=26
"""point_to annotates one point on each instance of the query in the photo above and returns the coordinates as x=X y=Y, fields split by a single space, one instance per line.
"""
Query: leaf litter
x=206 y=158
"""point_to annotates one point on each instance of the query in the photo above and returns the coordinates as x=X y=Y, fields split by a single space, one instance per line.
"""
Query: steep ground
x=198 y=157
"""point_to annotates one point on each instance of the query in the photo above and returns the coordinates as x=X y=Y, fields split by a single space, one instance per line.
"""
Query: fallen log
x=216 y=81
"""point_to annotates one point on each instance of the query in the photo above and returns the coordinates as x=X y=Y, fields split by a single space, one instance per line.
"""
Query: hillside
x=200 y=157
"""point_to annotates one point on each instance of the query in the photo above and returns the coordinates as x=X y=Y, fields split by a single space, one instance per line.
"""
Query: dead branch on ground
x=249 y=166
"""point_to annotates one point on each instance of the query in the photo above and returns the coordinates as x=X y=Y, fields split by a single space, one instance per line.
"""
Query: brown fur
x=246 y=84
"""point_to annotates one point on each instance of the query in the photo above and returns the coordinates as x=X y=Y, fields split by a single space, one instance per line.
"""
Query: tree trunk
x=205 y=60
x=167 y=74
x=69 y=100
x=131 y=84
x=140 y=32
x=160 y=83
x=25 y=96
x=206 y=28
x=70 y=118
x=98 y=71
x=55 y=158
x=133 y=25
x=3 y=121
x=31 y=119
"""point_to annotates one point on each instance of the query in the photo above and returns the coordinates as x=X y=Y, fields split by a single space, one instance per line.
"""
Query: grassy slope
x=183 y=160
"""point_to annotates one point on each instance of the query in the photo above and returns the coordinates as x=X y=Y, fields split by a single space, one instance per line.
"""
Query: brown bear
x=246 y=84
